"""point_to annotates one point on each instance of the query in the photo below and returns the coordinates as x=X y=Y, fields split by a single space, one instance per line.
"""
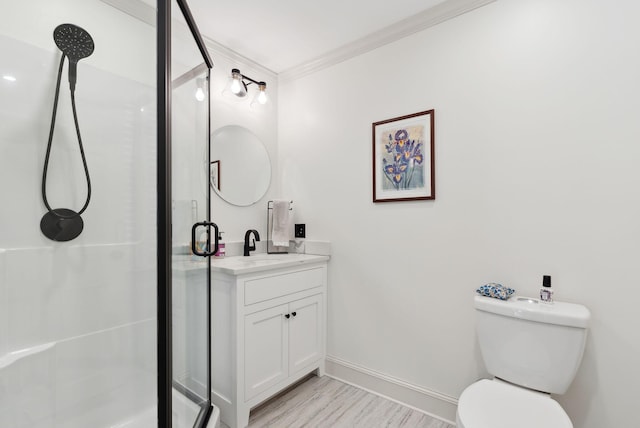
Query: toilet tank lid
x=527 y=308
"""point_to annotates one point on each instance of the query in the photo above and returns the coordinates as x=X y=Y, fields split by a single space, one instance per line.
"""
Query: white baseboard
x=432 y=403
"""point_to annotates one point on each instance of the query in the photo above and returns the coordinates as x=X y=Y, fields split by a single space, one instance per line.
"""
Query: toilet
x=533 y=349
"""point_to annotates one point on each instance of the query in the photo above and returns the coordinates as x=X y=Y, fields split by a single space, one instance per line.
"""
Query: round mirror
x=240 y=170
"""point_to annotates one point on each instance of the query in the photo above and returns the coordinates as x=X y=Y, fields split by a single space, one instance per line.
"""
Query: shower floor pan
x=184 y=413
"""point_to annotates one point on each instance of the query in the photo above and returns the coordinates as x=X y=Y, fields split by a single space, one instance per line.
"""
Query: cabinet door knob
x=293 y=313
x=287 y=316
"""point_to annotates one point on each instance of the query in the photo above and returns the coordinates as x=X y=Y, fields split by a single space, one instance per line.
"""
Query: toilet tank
x=533 y=344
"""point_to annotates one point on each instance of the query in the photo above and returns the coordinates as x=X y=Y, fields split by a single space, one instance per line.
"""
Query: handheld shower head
x=62 y=224
x=76 y=44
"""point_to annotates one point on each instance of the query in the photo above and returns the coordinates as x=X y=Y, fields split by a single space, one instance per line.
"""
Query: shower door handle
x=208 y=225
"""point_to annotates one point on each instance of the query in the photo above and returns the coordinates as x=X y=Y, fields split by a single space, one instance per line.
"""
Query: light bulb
x=199 y=94
x=9 y=78
x=237 y=87
x=262 y=97
x=261 y=100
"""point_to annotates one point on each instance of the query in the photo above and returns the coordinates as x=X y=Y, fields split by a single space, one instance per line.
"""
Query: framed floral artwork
x=403 y=158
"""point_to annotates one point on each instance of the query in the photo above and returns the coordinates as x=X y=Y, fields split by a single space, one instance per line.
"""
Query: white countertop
x=238 y=265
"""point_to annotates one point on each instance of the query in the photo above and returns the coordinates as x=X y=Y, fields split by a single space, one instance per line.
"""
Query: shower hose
x=46 y=160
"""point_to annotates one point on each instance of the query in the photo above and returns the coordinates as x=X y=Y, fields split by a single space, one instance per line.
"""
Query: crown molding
x=444 y=11
x=234 y=56
x=416 y=23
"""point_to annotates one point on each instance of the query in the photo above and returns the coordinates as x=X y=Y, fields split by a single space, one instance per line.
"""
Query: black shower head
x=75 y=43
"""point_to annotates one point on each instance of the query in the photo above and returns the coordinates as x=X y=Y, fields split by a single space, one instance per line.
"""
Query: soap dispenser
x=221 y=247
x=546 y=292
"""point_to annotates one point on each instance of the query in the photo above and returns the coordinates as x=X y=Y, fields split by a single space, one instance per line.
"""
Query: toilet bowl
x=498 y=404
x=532 y=349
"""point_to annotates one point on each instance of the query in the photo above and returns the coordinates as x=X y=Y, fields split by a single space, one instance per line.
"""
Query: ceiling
x=283 y=34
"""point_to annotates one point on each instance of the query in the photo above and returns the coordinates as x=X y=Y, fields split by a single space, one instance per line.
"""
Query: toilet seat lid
x=496 y=404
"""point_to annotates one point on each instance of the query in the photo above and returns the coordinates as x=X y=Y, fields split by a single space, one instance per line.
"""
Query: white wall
x=536 y=170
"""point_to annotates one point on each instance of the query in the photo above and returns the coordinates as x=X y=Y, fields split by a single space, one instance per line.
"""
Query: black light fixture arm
x=250 y=80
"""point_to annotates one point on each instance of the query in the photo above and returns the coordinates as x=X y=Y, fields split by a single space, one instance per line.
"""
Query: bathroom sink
x=261 y=262
x=238 y=265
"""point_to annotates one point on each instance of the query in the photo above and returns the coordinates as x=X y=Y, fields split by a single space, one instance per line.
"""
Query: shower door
x=193 y=236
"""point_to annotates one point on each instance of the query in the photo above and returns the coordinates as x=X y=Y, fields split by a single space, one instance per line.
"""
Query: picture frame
x=403 y=165
x=214 y=174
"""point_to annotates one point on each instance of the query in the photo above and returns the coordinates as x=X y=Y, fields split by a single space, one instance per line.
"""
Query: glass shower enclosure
x=98 y=327
x=193 y=235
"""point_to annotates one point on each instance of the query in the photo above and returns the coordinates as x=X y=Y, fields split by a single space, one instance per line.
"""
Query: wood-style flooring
x=327 y=403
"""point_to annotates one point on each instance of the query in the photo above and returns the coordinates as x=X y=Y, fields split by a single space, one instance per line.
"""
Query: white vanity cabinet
x=268 y=331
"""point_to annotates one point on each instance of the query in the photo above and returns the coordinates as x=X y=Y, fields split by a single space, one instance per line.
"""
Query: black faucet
x=252 y=247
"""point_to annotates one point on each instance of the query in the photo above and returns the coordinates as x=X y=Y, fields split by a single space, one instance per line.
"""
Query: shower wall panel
x=4 y=349
x=77 y=318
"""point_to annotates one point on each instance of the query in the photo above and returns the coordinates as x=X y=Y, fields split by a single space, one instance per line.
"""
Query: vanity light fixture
x=238 y=86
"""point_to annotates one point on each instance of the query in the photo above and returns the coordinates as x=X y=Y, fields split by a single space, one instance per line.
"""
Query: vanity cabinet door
x=305 y=332
x=265 y=349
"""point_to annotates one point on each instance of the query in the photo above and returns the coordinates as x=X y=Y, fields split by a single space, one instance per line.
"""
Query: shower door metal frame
x=164 y=210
